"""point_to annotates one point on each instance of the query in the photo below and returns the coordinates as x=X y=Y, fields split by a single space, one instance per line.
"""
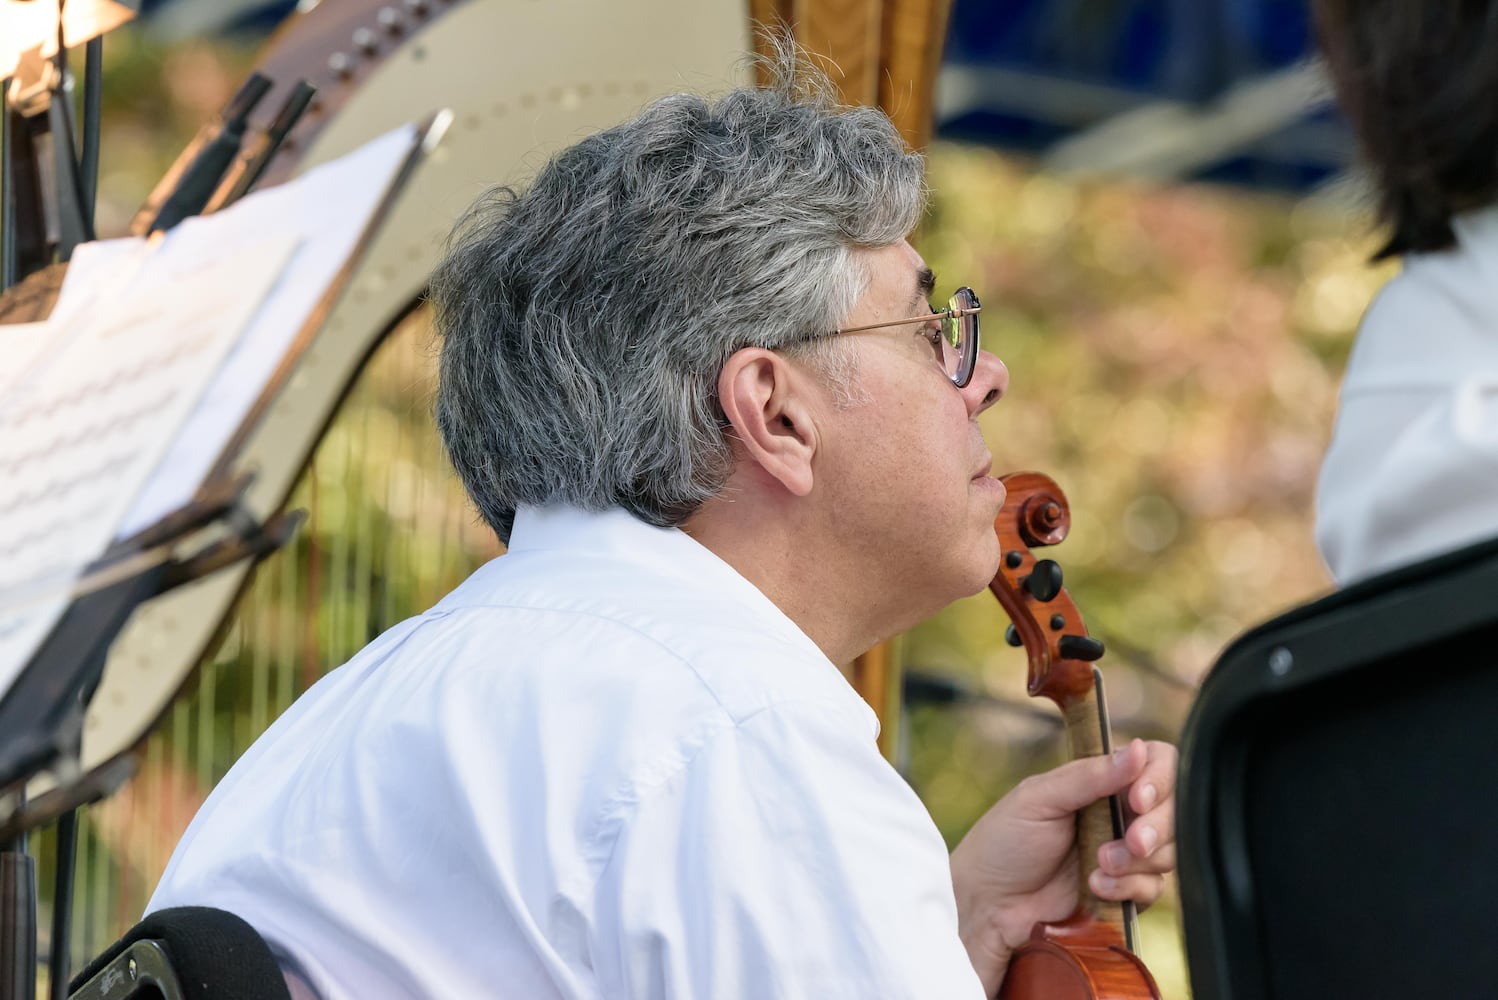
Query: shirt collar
x=669 y=552
x=615 y=534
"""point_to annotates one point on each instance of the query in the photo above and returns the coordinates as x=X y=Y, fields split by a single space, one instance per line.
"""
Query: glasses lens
x=960 y=331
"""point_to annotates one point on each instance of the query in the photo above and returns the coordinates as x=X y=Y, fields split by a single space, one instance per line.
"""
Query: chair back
x=185 y=953
x=1338 y=795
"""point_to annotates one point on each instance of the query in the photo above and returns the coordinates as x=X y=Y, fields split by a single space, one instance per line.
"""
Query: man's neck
x=791 y=563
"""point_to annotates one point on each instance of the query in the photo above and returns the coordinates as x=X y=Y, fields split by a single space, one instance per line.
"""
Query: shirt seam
x=600 y=616
x=618 y=797
x=626 y=626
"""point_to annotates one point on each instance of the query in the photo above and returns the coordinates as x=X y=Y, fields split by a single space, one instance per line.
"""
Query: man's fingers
x=1082 y=782
x=1143 y=889
x=1148 y=833
x=1118 y=860
x=1157 y=782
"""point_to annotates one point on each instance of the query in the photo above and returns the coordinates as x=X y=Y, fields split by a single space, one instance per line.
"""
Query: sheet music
x=330 y=206
x=97 y=272
x=22 y=345
x=79 y=438
x=110 y=426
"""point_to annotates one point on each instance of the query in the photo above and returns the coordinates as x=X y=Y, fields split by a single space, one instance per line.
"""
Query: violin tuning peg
x=1080 y=647
x=1011 y=636
x=1044 y=581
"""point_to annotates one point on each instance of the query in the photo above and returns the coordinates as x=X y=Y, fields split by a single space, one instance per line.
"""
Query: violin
x=1090 y=955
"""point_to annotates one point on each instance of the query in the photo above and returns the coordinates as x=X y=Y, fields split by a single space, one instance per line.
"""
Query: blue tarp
x=1040 y=72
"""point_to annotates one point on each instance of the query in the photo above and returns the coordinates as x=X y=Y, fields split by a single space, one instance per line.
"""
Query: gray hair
x=585 y=322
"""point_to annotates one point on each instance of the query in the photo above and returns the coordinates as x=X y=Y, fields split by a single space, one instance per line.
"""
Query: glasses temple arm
x=939 y=314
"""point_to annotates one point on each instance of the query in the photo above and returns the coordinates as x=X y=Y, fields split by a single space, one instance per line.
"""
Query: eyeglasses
x=956 y=344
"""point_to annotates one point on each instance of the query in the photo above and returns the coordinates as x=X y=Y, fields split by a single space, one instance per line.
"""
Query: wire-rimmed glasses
x=956 y=345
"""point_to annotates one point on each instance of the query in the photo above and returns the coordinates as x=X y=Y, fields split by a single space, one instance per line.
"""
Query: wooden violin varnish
x=1089 y=955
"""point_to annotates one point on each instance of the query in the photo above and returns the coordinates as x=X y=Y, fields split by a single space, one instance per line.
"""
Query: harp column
x=884 y=53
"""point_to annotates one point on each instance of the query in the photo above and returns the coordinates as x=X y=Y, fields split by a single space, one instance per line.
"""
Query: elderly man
x=692 y=378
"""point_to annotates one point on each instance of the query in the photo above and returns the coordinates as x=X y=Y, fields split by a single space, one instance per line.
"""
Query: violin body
x=1088 y=956
x=1078 y=959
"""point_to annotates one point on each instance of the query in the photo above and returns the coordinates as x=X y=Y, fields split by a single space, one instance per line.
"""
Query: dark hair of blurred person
x=1412 y=467
x=1419 y=82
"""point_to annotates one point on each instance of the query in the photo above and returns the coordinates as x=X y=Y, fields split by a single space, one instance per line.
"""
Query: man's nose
x=989 y=383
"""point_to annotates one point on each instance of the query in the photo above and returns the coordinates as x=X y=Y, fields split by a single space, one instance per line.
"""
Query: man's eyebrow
x=925 y=284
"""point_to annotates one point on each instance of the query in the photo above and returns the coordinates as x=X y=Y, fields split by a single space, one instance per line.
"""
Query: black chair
x=185 y=953
x=1338 y=800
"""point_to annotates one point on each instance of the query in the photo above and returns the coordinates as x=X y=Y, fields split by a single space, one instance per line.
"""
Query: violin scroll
x=1046 y=622
x=1044 y=516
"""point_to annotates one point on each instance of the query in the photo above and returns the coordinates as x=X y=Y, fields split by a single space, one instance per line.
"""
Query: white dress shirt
x=1413 y=465
x=604 y=766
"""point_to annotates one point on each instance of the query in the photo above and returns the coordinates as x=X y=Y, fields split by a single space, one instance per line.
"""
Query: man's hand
x=1017 y=866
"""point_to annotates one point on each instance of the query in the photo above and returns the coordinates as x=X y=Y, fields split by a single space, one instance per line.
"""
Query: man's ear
x=764 y=399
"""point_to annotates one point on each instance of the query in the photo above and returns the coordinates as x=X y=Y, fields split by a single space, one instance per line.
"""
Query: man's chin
x=985 y=566
x=987 y=539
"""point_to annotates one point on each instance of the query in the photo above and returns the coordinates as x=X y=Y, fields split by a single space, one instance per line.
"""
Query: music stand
x=41 y=711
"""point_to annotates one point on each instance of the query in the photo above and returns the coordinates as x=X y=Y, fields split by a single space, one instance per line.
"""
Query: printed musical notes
x=158 y=350
x=88 y=425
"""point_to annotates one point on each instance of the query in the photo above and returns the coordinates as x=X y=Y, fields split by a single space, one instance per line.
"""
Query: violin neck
x=1085 y=718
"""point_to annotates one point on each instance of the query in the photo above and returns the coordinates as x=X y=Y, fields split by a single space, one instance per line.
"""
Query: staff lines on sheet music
x=59 y=488
x=89 y=432
x=258 y=276
x=46 y=408
x=34 y=537
x=144 y=309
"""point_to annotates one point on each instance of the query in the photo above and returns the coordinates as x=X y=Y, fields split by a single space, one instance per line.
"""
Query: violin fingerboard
x=1116 y=810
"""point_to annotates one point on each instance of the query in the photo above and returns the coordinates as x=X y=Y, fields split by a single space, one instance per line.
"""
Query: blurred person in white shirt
x=1412 y=470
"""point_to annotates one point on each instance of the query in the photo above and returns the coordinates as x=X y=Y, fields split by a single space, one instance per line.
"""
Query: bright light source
x=26 y=24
